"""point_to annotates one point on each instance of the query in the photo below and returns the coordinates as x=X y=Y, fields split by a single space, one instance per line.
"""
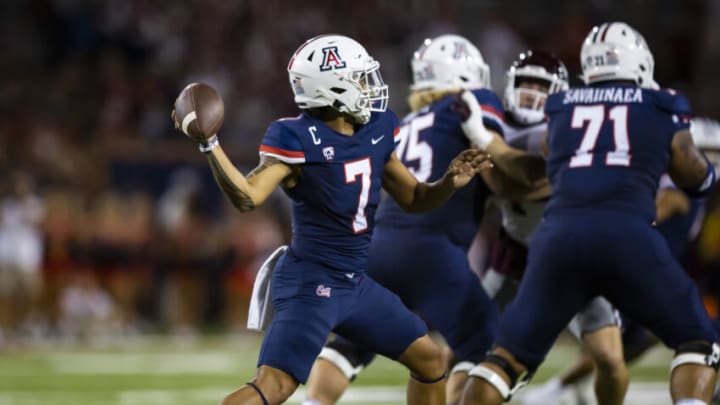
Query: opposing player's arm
x=527 y=168
x=506 y=187
x=415 y=196
x=688 y=167
x=544 y=148
x=247 y=192
x=670 y=202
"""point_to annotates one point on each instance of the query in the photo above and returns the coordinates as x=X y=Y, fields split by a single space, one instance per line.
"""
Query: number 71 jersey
x=339 y=188
x=609 y=145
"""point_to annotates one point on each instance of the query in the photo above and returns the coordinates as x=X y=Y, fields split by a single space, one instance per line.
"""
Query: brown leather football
x=199 y=111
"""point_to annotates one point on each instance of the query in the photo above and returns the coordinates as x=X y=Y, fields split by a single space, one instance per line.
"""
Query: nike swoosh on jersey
x=375 y=141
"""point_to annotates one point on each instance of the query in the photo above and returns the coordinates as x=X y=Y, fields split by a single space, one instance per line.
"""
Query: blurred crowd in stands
x=111 y=223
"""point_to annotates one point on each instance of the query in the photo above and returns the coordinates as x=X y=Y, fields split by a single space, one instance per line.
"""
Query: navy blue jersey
x=609 y=145
x=680 y=230
x=335 y=200
x=429 y=140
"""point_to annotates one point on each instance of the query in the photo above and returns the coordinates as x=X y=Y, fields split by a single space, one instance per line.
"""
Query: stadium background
x=141 y=253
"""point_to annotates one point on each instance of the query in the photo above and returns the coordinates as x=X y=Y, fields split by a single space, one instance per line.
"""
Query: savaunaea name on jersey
x=603 y=95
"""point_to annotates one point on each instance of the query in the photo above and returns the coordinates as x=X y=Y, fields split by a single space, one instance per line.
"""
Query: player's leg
x=548 y=297
x=636 y=340
x=327 y=383
x=658 y=293
x=575 y=377
x=511 y=364
x=432 y=276
x=598 y=328
x=339 y=362
x=465 y=316
x=270 y=386
x=611 y=379
x=457 y=379
x=302 y=322
x=427 y=365
x=398 y=334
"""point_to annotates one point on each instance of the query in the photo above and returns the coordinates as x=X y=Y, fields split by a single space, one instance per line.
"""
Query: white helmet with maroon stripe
x=616 y=51
x=336 y=71
x=533 y=66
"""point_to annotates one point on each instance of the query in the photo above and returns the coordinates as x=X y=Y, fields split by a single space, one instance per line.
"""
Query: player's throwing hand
x=199 y=113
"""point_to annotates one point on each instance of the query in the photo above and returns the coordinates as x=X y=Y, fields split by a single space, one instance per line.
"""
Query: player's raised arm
x=527 y=168
x=689 y=169
x=247 y=192
x=415 y=196
x=199 y=113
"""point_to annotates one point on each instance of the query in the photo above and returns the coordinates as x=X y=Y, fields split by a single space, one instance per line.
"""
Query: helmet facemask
x=529 y=82
x=335 y=71
x=373 y=92
x=529 y=101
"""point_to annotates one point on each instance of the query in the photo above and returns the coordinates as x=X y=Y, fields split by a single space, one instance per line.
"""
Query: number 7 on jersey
x=363 y=169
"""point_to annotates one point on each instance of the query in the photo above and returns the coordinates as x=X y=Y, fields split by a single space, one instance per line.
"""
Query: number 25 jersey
x=429 y=140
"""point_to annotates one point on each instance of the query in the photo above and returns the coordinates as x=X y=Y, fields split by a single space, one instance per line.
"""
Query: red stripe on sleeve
x=282 y=152
x=493 y=111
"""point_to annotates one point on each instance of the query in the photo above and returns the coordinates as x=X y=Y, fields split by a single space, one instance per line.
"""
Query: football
x=199 y=111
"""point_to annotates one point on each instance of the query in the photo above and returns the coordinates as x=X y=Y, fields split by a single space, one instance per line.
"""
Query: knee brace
x=257 y=389
x=506 y=390
x=341 y=362
x=703 y=353
x=462 y=367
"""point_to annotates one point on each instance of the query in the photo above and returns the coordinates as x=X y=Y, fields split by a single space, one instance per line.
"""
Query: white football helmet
x=616 y=51
x=533 y=66
x=449 y=61
x=336 y=71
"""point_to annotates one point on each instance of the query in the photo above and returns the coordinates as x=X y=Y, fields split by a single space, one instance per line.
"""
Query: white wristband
x=211 y=144
x=477 y=134
x=473 y=127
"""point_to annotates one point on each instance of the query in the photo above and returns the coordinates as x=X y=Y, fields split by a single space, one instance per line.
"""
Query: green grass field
x=160 y=371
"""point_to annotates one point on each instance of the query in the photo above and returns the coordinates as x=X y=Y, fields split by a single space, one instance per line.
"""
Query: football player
x=608 y=145
x=679 y=219
x=531 y=78
x=332 y=160
x=423 y=257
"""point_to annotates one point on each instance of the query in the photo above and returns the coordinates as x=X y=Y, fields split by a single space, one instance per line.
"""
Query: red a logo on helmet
x=331 y=59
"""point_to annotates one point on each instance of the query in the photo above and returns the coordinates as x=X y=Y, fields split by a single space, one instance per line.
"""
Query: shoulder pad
x=492 y=108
